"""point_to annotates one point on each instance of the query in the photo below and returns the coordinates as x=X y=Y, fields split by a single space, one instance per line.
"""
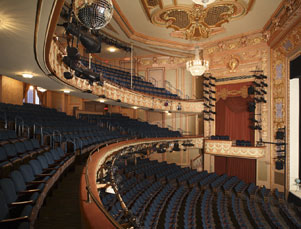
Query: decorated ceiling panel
x=193 y=21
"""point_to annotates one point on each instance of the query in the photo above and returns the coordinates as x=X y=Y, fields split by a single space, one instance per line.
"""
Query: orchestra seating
x=123 y=78
x=38 y=145
x=159 y=200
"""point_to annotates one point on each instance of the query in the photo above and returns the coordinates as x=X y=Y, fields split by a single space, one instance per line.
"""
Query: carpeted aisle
x=62 y=209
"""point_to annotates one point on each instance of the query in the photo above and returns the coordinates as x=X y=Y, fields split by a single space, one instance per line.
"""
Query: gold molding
x=225 y=148
x=114 y=92
x=199 y=22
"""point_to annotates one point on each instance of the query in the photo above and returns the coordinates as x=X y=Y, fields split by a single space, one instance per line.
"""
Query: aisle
x=62 y=209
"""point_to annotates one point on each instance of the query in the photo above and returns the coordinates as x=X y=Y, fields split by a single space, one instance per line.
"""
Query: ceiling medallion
x=197 y=22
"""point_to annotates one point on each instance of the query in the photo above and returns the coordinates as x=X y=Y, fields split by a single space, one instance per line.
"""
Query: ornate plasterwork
x=194 y=22
x=280 y=21
x=237 y=57
x=224 y=93
x=280 y=56
x=225 y=148
x=115 y=92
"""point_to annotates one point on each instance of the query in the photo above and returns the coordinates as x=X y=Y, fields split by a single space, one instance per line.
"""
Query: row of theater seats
x=37 y=145
x=227 y=138
x=159 y=200
x=123 y=78
x=54 y=126
x=28 y=169
x=131 y=127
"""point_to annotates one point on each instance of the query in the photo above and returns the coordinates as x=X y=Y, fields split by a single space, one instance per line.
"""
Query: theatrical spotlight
x=251 y=106
x=205 y=92
x=251 y=90
x=89 y=41
x=280 y=134
x=68 y=75
x=257 y=84
x=210 y=97
x=73 y=53
x=256 y=127
x=179 y=107
x=212 y=78
x=205 y=78
x=253 y=120
x=176 y=147
x=211 y=84
x=263 y=92
x=264 y=84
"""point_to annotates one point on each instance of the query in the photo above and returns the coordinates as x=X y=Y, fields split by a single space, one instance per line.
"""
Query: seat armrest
x=21 y=203
x=49 y=169
x=43 y=175
x=14 y=219
x=30 y=191
x=36 y=182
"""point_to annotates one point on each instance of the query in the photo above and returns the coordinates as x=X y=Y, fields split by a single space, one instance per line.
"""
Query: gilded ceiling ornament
x=194 y=22
x=233 y=64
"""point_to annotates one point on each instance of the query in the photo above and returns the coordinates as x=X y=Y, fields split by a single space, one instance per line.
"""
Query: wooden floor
x=62 y=208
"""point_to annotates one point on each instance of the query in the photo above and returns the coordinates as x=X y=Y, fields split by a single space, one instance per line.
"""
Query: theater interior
x=150 y=114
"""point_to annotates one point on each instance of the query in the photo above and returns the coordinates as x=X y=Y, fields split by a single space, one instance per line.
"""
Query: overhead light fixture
x=102 y=101
x=197 y=67
x=135 y=107
x=112 y=49
x=66 y=91
x=203 y=2
x=41 y=89
x=27 y=75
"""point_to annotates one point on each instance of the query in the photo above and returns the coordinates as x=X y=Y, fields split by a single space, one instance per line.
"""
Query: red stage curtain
x=244 y=169
x=232 y=115
x=220 y=165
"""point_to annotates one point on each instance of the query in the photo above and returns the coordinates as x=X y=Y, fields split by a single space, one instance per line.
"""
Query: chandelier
x=203 y=2
x=197 y=67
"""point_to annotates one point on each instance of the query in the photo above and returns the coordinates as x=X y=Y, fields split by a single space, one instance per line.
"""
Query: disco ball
x=93 y=14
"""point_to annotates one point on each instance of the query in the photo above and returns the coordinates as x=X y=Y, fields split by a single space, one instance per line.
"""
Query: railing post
x=88 y=195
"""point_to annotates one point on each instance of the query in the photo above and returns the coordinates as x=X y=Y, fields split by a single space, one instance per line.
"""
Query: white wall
x=294 y=132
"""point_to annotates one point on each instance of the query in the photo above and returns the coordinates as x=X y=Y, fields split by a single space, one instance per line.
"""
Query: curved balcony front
x=117 y=93
x=93 y=211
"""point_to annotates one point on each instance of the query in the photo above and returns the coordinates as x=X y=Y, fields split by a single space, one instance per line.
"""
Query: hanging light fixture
x=203 y=2
x=197 y=67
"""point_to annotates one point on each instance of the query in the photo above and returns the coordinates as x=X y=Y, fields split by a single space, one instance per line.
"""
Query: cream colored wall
x=11 y=90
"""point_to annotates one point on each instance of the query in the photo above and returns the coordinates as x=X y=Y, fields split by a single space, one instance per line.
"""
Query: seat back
x=28 y=145
x=20 y=147
x=35 y=143
x=3 y=155
x=4 y=212
x=49 y=158
x=8 y=188
x=10 y=150
x=18 y=180
x=43 y=161
x=36 y=166
x=27 y=173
